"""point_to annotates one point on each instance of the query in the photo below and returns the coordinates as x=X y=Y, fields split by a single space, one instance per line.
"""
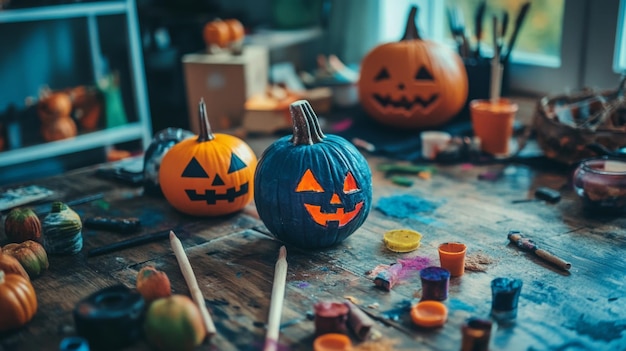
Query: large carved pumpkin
x=312 y=190
x=413 y=83
x=210 y=175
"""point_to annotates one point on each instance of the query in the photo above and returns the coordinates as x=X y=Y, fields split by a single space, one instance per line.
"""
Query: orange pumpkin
x=10 y=265
x=222 y=33
x=31 y=255
x=211 y=175
x=413 y=83
x=153 y=284
x=59 y=129
x=18 y=302
x=54 y=106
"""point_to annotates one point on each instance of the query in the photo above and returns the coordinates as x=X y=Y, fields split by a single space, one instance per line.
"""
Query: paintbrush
x=276 y=302
x=478 y=26
x=526 y=244
x=131 y=242
x=192 y=283
x=518 y=24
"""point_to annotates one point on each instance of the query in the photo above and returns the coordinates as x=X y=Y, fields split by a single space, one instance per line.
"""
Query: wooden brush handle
x=553 y=259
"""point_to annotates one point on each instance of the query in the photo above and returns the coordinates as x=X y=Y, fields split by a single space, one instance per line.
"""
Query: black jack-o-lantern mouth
x=404 y=103
x=211 y=196
x=308 y=183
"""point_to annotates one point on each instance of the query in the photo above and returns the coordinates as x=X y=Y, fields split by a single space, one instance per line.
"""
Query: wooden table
x=233 y=258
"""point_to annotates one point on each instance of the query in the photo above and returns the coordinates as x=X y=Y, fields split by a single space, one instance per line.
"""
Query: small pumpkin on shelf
x=10 y=265
x=21 y=224
x=62 y=230
x=31 y=255
x=413 y=83
x=18 y=301
x=211 y=175
x=153 y=283
x=54 y=105
x=312 y=190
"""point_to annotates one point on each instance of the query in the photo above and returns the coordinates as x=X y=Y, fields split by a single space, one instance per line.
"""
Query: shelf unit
x=139 y=130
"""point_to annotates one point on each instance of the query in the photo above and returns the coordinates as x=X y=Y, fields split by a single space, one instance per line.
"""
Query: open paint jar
x=601 y=183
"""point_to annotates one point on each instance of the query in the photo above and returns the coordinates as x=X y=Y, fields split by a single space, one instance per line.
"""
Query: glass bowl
x=601 y=183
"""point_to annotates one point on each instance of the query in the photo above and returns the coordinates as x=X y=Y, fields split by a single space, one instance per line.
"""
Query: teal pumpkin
x=312 y=190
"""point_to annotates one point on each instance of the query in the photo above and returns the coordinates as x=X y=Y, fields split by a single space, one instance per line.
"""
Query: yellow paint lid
x=402 y=240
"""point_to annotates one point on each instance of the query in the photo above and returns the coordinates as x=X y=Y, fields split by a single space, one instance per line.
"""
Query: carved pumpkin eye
x=235 y=164
x=309 y=183
x=383 y=74
x=194 y=170
x=423 y=74
x=349 y=184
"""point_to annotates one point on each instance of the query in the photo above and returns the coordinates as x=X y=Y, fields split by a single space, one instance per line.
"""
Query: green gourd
x=62 y=230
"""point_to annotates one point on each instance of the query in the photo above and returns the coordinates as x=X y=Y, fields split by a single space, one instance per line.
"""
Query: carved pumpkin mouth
x=338 y=216
x=404 y=103
x=211 y=196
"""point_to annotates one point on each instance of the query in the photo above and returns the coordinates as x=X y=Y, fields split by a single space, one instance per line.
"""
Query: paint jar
x=493 y=122
x=331 y=317
x=332 y=342
x=452 y=258
x=74 y=343
x=475 y=334
x=601 y=184
x=434 y=142
x=435 y=282
x=505 y=295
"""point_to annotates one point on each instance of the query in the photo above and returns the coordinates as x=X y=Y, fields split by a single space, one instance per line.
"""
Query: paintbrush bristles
x=192 y=283
x=276 y=302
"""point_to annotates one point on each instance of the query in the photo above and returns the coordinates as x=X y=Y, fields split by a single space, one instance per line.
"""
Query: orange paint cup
x=332 y=342
x=429 y=314
x=452 y=258
x=493 y=124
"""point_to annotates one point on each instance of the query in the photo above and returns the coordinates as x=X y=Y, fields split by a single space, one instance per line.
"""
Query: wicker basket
x=566 y=124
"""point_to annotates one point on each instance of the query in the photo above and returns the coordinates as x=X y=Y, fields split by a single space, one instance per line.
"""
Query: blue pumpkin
x=312 y=190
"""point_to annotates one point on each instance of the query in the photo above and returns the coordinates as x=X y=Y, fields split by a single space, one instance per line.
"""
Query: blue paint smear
x=408 y=206
x=456 y=304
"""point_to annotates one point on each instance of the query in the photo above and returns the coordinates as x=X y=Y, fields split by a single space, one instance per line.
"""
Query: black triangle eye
x=194 y=170
x=235 y=164
x=423 y=74
x=383 y=74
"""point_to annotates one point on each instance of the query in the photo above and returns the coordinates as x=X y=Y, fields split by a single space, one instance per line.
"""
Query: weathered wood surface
x=234 y=258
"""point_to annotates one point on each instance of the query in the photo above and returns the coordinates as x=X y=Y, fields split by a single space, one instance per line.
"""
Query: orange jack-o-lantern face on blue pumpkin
x=315 y=195
x=312 y=190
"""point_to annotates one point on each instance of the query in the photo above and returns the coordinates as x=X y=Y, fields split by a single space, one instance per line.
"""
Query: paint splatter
x=456 y=304
x=302 y=285
x=477 y=262
x=407 y=206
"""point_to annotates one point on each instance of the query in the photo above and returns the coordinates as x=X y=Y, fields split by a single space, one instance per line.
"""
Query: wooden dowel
x=192 y=284
x=276 y=302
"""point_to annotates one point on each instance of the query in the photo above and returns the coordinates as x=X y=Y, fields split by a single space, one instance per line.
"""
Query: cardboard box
x=225 y=81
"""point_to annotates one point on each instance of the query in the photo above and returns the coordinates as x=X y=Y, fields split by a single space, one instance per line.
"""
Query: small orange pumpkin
x=413 y=83
x=10 y=265
x=153 y=283
x=54 y=106
x=222 y=33
x=31 y=255
x=62 y=128
x=18 y=301
x=211 y=175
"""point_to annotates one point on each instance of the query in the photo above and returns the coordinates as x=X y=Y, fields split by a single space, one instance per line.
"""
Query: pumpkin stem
x=206 y=134
x=306 y=126
x=58 y=206
x=411 y=31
